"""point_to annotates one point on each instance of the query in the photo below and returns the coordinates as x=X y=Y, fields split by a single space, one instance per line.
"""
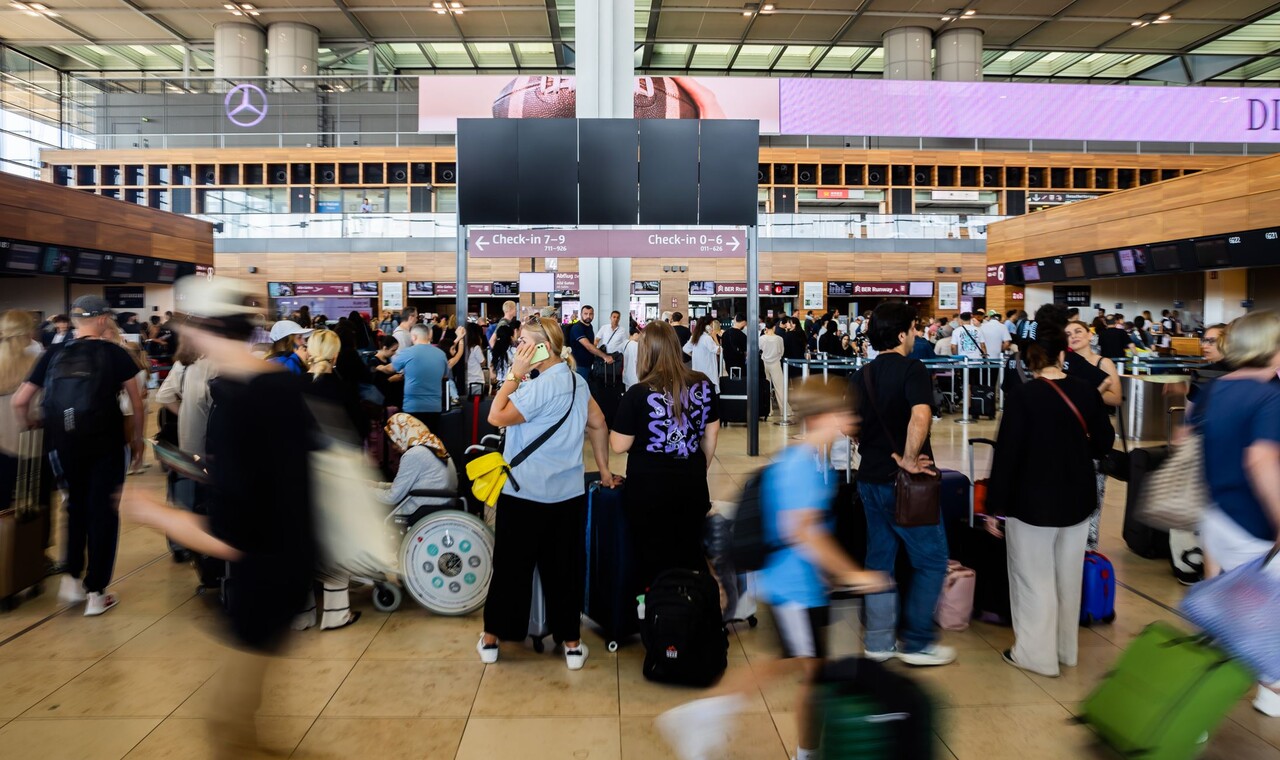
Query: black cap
x=86 y=307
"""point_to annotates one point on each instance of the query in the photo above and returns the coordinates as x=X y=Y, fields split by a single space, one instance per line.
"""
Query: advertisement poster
x=948 y=296
x=393 y=295
x=442 y=100
x=814 y=292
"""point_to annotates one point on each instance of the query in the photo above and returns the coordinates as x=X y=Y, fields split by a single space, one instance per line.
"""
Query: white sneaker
x=1267 y=702
x=99 y=603
x=488 y=654
x=70 y=591
x=934 y=654
x=697 y=730
x=576 y=658
x=880 y=656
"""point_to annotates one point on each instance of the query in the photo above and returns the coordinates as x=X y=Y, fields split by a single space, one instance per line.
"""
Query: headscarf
x=407 y=431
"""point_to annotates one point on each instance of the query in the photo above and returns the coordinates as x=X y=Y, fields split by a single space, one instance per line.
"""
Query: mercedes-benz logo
x=246 y=105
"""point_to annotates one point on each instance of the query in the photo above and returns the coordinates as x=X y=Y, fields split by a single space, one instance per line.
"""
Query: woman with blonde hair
x=16 y=361
x=667 y=424
x=546 y=409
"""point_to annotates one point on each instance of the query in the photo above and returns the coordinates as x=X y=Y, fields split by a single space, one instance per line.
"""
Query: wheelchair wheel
x=446 y=562
x=386 y=597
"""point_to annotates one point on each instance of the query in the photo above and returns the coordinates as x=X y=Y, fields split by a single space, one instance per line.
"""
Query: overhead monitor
x=420 y=289
x=23 y=257
x=122 y=268
x=1105 y=264
x=1074 y=267
x=89 y=264
x=702 y=288
x=1212 y=252
x=168 y=271
x=922 y=289
x=1164 y=258
x=1031 y=272
x=1133 y=260
x=537 y=282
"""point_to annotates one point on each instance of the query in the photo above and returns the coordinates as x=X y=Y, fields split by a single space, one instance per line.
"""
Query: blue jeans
x=927 y=548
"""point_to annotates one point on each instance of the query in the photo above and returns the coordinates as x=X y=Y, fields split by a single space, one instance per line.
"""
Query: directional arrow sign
x=567 y=243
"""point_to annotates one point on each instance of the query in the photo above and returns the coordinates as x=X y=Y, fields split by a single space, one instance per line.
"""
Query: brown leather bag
x=917 y=496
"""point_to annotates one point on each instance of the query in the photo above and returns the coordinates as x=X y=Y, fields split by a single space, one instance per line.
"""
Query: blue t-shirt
x=291 y=362
x=554 y=472
x=1237 y=413
x=425 y=367
x=793 y=483
x=581 y=355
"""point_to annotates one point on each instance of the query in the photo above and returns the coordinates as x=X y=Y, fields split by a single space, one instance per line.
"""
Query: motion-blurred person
x=61 y=331
x=540 y=511
x=260 y=522
x=795 y=506
x=1043 y=485
x=185 y=393
x=704 y=349
x=667 y=424
x=289 y=346
x=16 y=362
x=631 y=357
x=1239 y=417
x=81 y=380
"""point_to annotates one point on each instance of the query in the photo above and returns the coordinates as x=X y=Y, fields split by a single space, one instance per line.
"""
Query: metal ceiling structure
x=1120 y=41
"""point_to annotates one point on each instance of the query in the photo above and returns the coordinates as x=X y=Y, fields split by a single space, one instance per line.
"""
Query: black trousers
x=548 y=537
x=93 y=476
x=430 y=419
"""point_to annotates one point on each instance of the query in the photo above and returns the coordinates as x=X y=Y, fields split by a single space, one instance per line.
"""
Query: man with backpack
x=896 y=397
x=788 y=506
x=82 y=380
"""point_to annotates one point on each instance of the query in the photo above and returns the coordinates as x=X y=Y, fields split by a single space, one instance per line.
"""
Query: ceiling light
x=946 y=18
x=1164 y=17
x=229 y=6
x=455 y=5
x=746 y=13
x=767 y=8
x=437 y=5
x=1137 y=23
x=971 y=12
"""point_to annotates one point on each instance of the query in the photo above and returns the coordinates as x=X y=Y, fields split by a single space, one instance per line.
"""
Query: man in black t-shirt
x=733 y=344
x=682 y=334
x=582 y=341
x=793 y=343
x=88 y=439
x=895 y=395
x=1114 y=340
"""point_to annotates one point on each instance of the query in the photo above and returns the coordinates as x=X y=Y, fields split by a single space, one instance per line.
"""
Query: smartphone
x=540 y=354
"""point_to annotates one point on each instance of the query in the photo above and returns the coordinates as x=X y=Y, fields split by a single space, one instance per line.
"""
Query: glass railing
x=438 y=225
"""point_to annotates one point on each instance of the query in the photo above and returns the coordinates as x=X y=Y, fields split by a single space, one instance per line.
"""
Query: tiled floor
x=136 y=683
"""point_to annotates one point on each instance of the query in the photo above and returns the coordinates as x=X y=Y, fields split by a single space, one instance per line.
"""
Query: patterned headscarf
x=407 y=431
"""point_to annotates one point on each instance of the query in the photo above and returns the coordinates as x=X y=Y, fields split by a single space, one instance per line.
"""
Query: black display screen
x=1031 y=272
x=1074 y=268
x=168 y=272
x=1212 y=252
x=1165 y=258
x=89 y=264
x=56 y=260
x=23 y=257
x=122 y=268
x=1105 y=264
x=506 y=287
x=668 y=171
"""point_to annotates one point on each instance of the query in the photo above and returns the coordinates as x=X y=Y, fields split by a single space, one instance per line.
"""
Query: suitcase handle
x=985 y=441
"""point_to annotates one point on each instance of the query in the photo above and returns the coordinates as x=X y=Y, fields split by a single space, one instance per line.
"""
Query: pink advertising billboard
x=894 y=108
x=442 y=100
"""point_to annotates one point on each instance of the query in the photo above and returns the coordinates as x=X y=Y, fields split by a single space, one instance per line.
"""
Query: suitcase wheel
x=1109 y=618
x=9 y=603
x=752 y=621
x=35 y=591
x=612 y=646
x=538 y=646
x=386 y=597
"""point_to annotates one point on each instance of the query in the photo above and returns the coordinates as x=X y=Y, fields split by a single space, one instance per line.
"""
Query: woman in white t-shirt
x=631 y=358
x=704 y=348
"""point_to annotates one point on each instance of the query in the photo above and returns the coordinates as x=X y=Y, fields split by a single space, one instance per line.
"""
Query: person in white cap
x=82 y=379
x=259 y=522
x=289 y=346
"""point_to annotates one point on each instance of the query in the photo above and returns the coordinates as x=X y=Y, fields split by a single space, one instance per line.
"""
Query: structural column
x=908 y=53
x=959 y=55
x=294 y=49
x=605 y=65
x=239 y=51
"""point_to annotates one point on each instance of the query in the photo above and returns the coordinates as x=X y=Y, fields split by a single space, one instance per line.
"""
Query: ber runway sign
x=635 y=244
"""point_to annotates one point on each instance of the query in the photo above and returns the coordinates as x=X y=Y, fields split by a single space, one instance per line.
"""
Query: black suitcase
x=608 y=599
x=972 y=546
x=607 y=396
x=982 y=401
x=870 y=711
x=733 y=400
x=1143 y=540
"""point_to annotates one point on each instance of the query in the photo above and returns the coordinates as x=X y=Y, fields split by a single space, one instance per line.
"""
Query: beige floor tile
x=563 y=738
x=1075 y=684
x=84 y=739
x=72 y=636
x=545 y=687
x=788 y=730
x=384 y=739
x=1043 y=732
x=291 y=688
x=1234 y=742
x=341 y=644
x=1265 y=727
x=640 y=696
x=126 y=689
x=201 y=636
x=978 y=678
x=407 y=688
x=25 y=682
x=753 y=738
x=412 y=633
x=194 y=739
x=780 y=694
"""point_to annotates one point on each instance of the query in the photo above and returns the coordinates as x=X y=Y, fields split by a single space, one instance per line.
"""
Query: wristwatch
x=511 y=376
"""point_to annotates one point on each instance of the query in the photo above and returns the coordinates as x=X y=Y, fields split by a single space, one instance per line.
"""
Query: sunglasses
x=1209 y=341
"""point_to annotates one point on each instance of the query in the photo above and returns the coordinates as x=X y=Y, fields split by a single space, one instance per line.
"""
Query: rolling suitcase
x=608 y=598
x=24 y=524
x=1165 y=696
x=972 y=546
x=872 y=712
x=982 y=401
x=1098 y=597
x=538 y=630
x=733 y=399
x=1143 y=540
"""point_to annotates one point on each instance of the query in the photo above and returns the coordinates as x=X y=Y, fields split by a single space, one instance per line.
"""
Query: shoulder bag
x=490 y=472
x=1175 y=495
x=917 y=495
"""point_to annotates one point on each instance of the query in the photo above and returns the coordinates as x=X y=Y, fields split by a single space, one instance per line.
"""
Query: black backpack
x=80 y=400
x=683 y=630
x=748 y=547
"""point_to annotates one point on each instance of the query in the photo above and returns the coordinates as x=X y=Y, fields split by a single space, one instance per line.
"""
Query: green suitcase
x=1166 y=695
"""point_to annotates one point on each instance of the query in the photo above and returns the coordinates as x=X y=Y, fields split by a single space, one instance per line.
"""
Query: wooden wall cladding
x=1231 y=199
x=42 y=213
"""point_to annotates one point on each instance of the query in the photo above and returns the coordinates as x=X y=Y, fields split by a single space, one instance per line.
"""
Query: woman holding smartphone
x=704 y=348
x=546 y=409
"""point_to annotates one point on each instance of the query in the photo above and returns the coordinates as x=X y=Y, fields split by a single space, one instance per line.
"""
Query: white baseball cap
x=286 y=327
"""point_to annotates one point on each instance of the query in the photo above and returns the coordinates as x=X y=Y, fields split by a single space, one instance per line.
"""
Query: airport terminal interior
x=177 y=173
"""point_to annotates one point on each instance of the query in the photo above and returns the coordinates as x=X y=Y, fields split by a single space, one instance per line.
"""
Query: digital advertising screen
x=1031 y=272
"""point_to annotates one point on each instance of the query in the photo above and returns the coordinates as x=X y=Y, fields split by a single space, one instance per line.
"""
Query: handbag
x=1175 y=495
x=1238 y=609
x=490 y=472
x=917 y=495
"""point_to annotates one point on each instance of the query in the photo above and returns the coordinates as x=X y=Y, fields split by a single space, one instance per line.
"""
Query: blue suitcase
x=1098 y=597
x=608 y=599
x=954 y=496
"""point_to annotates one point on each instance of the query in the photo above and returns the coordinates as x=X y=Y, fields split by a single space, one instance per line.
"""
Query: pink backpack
x=955 y=604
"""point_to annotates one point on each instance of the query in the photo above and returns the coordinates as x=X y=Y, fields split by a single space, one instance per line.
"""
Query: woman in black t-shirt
x=1101 y=373
x=667 y=424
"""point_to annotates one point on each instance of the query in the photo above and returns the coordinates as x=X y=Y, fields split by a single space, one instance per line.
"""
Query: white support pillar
x=1224 y=290
x=908 y=52
x=605 y=64
x=239 y=51
x=294 y=51
x=959 y=55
